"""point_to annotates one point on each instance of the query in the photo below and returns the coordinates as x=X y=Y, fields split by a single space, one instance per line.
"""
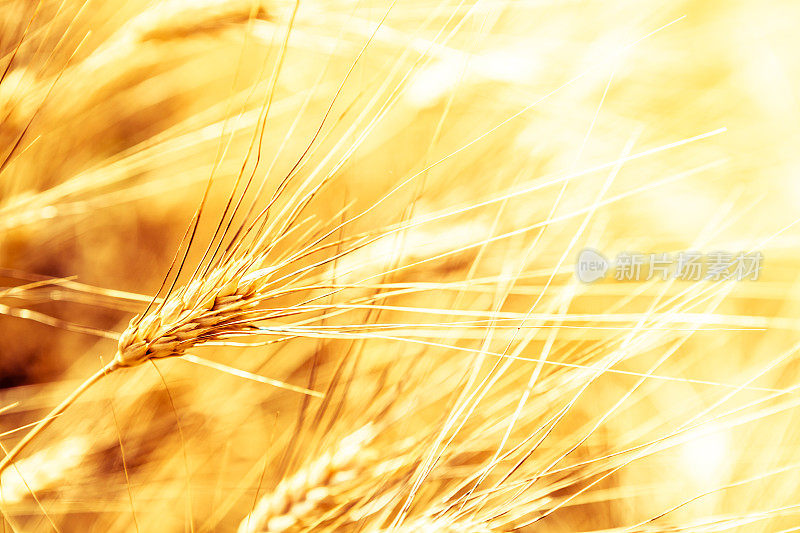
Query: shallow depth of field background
x=113 y=115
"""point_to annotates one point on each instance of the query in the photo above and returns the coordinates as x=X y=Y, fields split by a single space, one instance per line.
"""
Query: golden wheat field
x=412 y=266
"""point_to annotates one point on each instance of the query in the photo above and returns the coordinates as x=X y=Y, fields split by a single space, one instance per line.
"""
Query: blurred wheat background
x=407 y=186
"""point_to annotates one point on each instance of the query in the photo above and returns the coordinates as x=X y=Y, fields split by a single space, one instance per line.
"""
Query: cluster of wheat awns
x=356 y=222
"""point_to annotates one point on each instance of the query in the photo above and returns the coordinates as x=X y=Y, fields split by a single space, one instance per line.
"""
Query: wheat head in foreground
x=220 y=305
x=204 y=310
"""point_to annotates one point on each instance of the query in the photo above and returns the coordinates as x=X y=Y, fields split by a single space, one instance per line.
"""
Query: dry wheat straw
x=441 y=525
x=297 y=496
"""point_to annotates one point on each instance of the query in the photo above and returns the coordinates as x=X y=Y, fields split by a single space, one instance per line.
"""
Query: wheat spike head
x=204 y=309
x=297 y=496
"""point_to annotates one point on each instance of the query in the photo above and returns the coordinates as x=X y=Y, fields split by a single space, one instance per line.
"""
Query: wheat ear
x=295 y=497
x=205 y=309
